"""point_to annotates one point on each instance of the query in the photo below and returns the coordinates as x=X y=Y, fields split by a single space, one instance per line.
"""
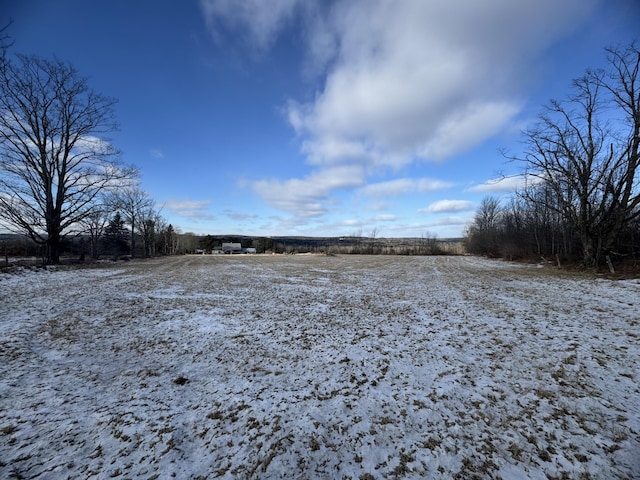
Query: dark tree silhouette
x=586 y=151
x=54 y=159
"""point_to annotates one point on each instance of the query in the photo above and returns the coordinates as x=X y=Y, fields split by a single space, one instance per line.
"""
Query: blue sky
x=324 y=118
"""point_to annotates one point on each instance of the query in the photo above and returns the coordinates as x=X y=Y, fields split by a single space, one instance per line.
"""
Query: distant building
x=231 y=248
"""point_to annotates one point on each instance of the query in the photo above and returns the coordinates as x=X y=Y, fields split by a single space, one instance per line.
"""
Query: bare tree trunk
x=133 y=236
x=53 y=249
x=589 y=251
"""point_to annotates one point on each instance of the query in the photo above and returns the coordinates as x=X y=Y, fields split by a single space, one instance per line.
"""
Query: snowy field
x=302 y=367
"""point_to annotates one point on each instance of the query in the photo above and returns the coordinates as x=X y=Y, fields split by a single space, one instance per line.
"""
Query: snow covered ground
x=349 y=367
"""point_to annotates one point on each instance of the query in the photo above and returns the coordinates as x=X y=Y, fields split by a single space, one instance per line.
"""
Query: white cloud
x=445 y=227
x=449 y=222
x=89 y=144
x=240 y=216
x=465 y=129
x=194 y=214
x=309 y=196
x=448 y=206
x=350 y=223
x=195 y=209
x=156 y=153
x=400 y=82
x=446 y=221
x=260 y=21
x=187 y=204
x=388 y=217
x=402 y=186
x=423 y=79
x=505 y=184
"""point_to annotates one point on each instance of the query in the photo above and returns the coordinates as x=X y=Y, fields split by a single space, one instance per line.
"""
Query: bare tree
x=166 y=238
x=356 y=240
x=373 y=242
x=486 y=217
x=5 y=41
x=482 y=233
x=623 y=84
x=189 y=242
x=54 y=161
x=132 y=202
x=586 y=150
x=94 y=224
x=150 y=224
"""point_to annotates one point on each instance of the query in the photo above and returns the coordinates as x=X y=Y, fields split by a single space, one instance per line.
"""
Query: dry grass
x=319 y=367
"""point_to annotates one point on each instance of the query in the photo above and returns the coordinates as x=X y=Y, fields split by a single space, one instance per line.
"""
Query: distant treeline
x=115 y=243
x=353 y=244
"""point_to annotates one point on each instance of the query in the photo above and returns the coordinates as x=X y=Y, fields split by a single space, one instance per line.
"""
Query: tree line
x=581 y=199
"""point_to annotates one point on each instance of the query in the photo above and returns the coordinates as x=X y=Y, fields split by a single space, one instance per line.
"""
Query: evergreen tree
x=114 y=241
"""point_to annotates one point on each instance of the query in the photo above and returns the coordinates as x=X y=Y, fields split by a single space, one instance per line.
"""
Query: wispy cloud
x=350 y=223
x=240 y=216
x=258 y=21
x=310 y=196
x=446 y=221
x=194 y=214
x=156 y=153
x=387 y=217
x=403 y=186
x=441 y=227
x=505 y=184
x=187 y=204
x=193 y=209
x=448 y=206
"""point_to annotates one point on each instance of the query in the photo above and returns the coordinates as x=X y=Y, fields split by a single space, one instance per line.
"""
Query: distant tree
x=53 y=159
x=264 y=244
x=150 y=223
x=115 y=236
x=356 y=241
x=94 y=225
x=486 y=218
x=168 y=240
x=586 y=150
x=187 y=242
x=373 y=247
x=429 y=245
x=482 y=234
x=206 y=243
x=133 y=202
